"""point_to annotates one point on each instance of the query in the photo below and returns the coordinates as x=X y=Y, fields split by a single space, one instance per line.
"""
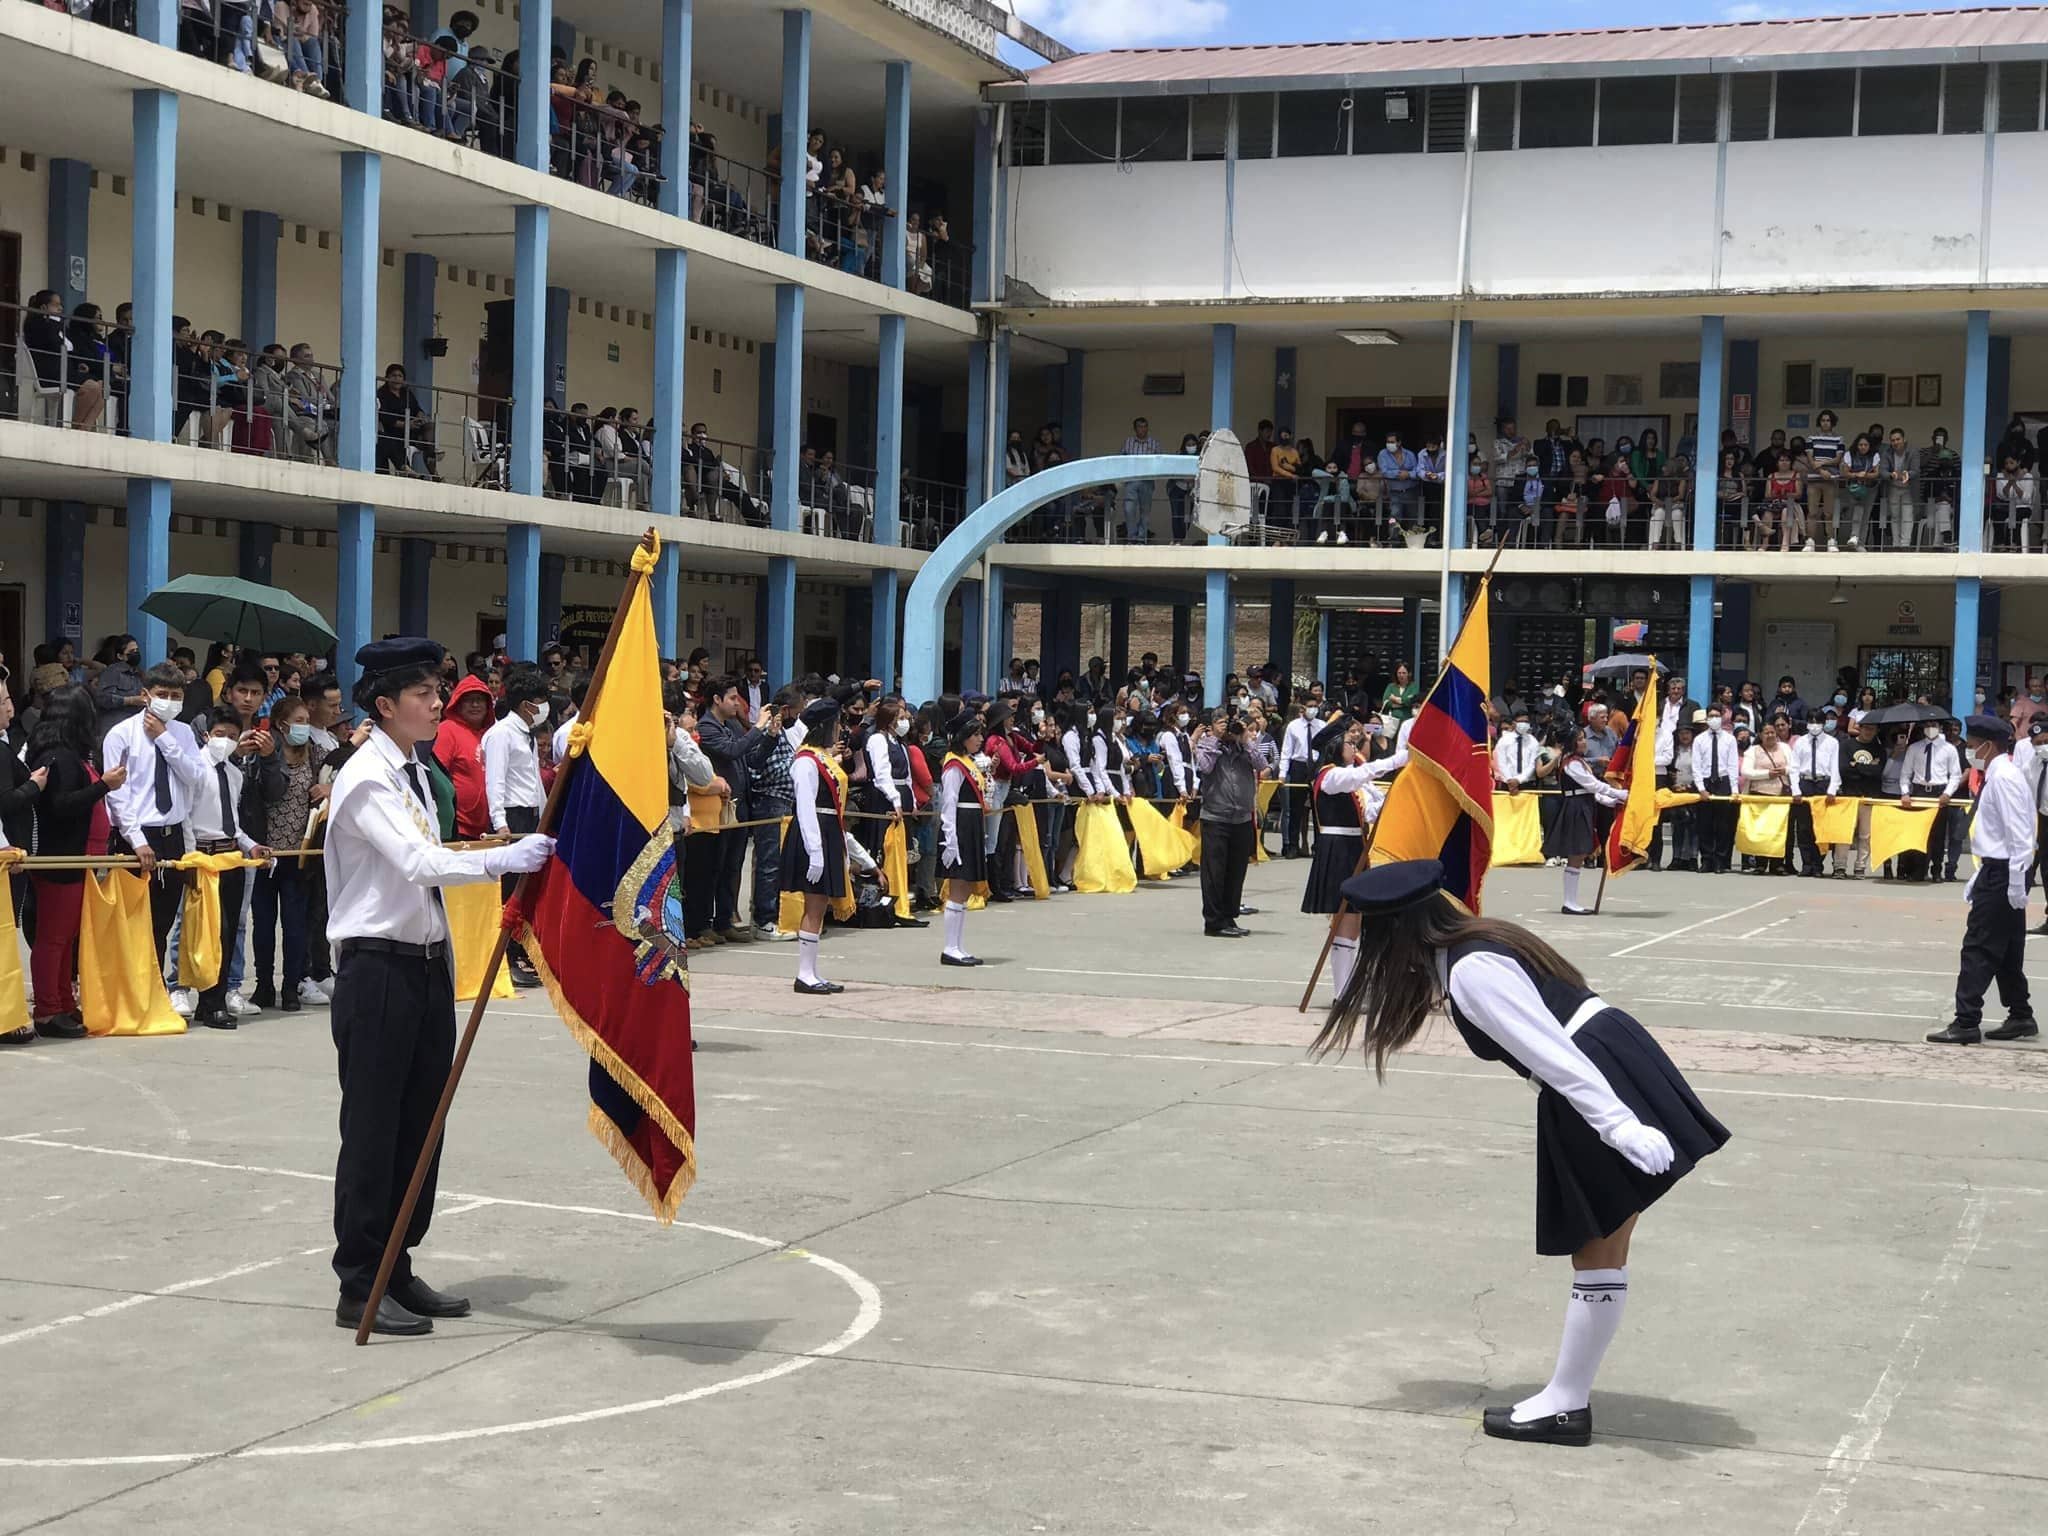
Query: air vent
x=1166 y=384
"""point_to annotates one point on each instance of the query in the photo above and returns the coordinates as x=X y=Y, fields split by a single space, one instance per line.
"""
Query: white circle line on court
x=866 y=1317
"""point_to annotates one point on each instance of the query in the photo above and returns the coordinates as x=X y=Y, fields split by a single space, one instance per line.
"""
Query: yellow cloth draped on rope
x=789 y=911
x=1893 y=831
x=1267 y=789
x=896 y=865
x=1834 y=821
x=120 y=985
x=199 y=938
x=1760 y=828
x=1102 y=859
x=1672 y=799
x=13 y=989
x=1517 y=830
x=1636 y=827
x=1034 y=853
x=474 y=913
x=707 y=810
x=1164 y=847
x=1179 y=819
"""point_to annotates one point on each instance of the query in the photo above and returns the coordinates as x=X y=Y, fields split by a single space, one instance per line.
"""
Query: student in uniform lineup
x=1863 y=760
x=963 y=808
x=1178 y=750
x=2002 y=836
x=886 y=792
x=1576 y=833
x=1514 y=755
x=1616 y=1125
x=1931 y=771
x=216 y=827
x=816 y=848
x=512 y=785
x=1341 y=809
x=394 y=999
x=164 y=771
x=1013 y=757
x=1716 y=771
x=1816 y=774
x=1297 y=768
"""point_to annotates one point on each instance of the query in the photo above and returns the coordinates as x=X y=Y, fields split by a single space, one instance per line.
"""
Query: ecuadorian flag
x=1635 y=765
x=603 y=922
x=1441 y=805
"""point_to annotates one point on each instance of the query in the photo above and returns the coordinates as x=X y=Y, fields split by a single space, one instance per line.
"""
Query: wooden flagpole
x=1365 y=852
x=395 y=1244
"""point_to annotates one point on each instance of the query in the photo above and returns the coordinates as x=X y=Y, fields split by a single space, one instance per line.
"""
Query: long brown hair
x=1394 y=981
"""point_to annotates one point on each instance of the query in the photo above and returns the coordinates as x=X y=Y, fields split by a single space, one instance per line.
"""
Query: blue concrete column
x=973 y=672
x=1455 y=432
x=1119 y=641
x=977 y=424
x=778 y=647
x=70 y=230
x=999 y=404
x=361 y=202
x=64 y=572
x=149 y=561
x=668 y=567
x=415 y=566
x=1217 y=607
x=1970 y=511
x=522 y=591
x=552 y=568
x=151 y=385
x=889 y=437
x=362 y=57
x=1963 y=669
x=678 y=42
x=1280 y=632
x=1699 y=638
x=885 y=589
x=896 y=164
x=1507 y=382
x=255 y=551
x=536 y=38
x=1183 y=637
x=1706 y=483
x=788 y=441
x=529 y=341
x=422 y=278
x=156 y=21
x=796 y=130
x=261 y=233
x=1323 y=649
x=671 y=297
x=1222 y=375
x=355 y=559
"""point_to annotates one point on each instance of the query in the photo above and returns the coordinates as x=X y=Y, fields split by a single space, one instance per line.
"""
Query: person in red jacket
x=1014 y=756
x=458 y=748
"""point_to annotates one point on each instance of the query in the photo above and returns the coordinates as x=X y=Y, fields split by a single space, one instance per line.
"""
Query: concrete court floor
x=1093 y=1252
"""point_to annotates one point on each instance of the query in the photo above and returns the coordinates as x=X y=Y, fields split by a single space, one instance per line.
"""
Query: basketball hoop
x=1223 y=487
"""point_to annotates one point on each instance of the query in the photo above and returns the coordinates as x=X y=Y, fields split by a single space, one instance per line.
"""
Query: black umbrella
x=1906 y=714
x=1621 y=664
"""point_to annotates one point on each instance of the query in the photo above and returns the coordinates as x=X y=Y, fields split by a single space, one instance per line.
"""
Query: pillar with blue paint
x=1217 y=608
x=1706 y=504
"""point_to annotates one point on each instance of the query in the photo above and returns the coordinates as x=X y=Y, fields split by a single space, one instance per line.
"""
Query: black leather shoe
x=1572 y=1428
x=1247 y=911
x=2015 y=1029
x=63 y=1026
x=912 y=922
x=946 y=959
x=819 y=988
x=422 y=1300
x=288 y=1001
x=265 y=995
x=219 y=1018
x=1232 y=932
x=1957 y=1034
x=391 y=1318
x=1000 y=896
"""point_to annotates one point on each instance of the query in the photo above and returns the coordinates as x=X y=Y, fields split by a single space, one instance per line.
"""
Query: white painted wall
x=1644 y=221
x=1357 y=224
x=1100 y=231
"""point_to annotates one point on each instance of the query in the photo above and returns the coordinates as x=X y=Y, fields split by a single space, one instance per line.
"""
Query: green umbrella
x=243 y=613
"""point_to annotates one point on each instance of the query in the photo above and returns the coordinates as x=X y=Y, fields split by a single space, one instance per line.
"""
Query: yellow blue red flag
x=1441 y=804
x=603 y=920
x=1634 y=767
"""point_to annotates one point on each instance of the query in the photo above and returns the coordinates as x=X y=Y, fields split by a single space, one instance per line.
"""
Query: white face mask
x=540 y=714
x=1181 y=720
x=167 y=710
x=219 y=748
x=1841 y=698
x=1521 y=727
x=1932 y=733
x=903 y=727
x=1980 y=696
x=1813 y=728
x=1122 y=723
x=1038 y=717
x=1714 y=726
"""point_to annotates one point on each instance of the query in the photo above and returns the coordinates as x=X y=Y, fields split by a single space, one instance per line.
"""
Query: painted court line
x=126 y=1302
x=1689 y=927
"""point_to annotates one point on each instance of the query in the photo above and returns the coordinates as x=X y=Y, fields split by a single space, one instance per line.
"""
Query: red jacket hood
x=463 y=690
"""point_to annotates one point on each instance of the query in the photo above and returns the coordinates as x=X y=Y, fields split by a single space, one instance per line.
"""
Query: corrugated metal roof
x=1962 y=33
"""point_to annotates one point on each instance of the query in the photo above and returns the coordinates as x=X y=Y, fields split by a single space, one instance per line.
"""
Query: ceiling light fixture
x=1372 y=338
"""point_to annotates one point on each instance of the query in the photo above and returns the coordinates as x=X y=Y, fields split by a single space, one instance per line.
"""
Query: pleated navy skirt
x=796 y=864
x=1574 y=833
x=1333 y=861
x=969 y=859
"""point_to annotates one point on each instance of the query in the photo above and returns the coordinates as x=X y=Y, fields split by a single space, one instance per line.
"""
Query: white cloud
x=1124 y=23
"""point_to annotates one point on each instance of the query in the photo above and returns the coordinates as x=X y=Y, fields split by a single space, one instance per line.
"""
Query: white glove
x=521 y=858
x=2017 y=894
x=1644 y=1145
x=815 y=872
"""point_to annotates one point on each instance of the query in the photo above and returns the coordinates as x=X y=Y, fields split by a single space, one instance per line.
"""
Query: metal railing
x=727 y=482
x=450 y=435
x=468 y=98
x=730 y=195
x=931 y=509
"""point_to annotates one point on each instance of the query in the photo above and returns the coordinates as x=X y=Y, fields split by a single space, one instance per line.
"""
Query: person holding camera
x=1230 y=808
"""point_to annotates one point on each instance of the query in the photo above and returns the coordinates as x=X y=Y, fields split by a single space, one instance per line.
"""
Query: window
x=1798 y=384
x=1816 y=104
x=1962 y=90
x=1083 y=132
x=1027 y=133
x=1255 y=126
x=1901 y=672
x=1388 y=122
x=1905 y=100
x=1154 y=128
x=1637 y=109
x=1315 y=123
x=1497 y=115
x=1749 y=108
x=1557 y=114
x=1447 y=106
x=2019 y=98
x=1211 y=132
x=1699 y=109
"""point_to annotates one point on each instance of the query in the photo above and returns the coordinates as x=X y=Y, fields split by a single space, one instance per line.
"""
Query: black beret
x=820 y=713
x=399 y=651
x=1988 y=728
x=1394 y=887
x=1330 y=737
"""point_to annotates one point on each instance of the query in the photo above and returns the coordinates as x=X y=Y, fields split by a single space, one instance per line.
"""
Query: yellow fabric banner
x=1835 y=821
x=474 y=912
x=120 y=985
x=1164 y=846
x=1034 y=852
x=1893 y=831
x=1671 y=799
x=896 y=865
x=199 y=937
x=1179 y=818
x=1761 y=827
x=13 y=989
x=789 y=911
x=1102 y=859
x=1517 y=830
x=707 y=810
x=1267 y=789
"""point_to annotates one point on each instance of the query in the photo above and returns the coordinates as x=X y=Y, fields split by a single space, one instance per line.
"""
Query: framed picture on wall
x=1898 y=391
x=1869 y=390
x=1835 y=384
x=1927 y=389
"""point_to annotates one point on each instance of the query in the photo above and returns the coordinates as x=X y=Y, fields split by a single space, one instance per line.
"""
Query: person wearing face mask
x=2002 y=837
x=1941 y=473
x=1933 y=769
x=1230 y=781
x=964 y=808
x=280 y=803
x=1514 y=755
x=118 y=690
x=732 y=737
x=1296 y=768
x=512 y=784
x=1816 y=772
x=1177 y=754
x=165 y=769
x=216 y=828
x=1864 y=759
x=1716 y=771
x=1013 y=758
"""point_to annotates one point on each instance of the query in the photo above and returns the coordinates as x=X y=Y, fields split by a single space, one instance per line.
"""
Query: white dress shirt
x=1355 y=779
x=952 y=782
x=2004 y=827
x=1514 y=758
x=1581 y=775
x=1932 y=762
x=215 y=807
x=1495 y=996
x=1179 y=772
x=1112 y=782
x=689 y=767
x=1294 y=744
x=1667 y=731
x=133 y=806
x=881 y=773
x=803 y=782
x=1715 y=756
x=511 y=769
x=1084 y=776
x=1817 y=757
x=384 y=851
x=1396 y=760
x=560 y=742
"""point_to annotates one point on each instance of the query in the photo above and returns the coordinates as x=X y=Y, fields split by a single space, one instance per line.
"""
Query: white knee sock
x=1591 y=1319
x=956 y=929
x=1343 y=956
x=807 y=957
x=1571 y=886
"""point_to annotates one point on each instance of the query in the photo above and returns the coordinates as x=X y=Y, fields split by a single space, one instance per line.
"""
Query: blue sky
x=1091 y=24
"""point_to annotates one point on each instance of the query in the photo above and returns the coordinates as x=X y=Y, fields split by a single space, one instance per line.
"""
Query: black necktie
x=227 y=803
x=412 y=777
x=163 y=782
